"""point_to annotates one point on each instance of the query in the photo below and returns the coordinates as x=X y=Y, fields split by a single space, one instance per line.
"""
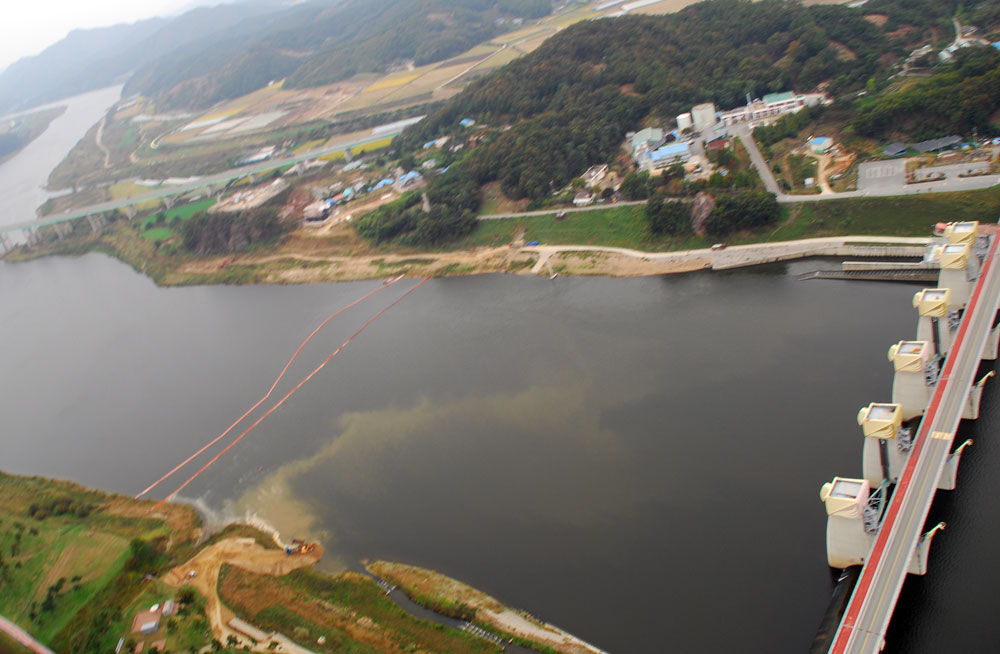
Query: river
x=635 y=460
x=23 y=178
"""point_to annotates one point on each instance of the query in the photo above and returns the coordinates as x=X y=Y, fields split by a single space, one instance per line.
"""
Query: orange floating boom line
x=273 y=386
x=290 y=393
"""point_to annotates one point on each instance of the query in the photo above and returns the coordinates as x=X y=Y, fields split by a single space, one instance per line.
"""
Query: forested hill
x=94 y=58
x=216 y=53
x=321 y=42
x=571 y=101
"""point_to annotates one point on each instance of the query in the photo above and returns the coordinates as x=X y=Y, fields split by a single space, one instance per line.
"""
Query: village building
x=595 y=174
x=664 y=156
x=772 y=106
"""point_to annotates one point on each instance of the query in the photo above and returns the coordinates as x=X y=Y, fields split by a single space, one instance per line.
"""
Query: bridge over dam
x=909 y=452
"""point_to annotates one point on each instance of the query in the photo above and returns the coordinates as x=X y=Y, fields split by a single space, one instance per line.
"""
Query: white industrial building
x=684 y=121
x=664 y=157
x=771 y=106
x=703 y=116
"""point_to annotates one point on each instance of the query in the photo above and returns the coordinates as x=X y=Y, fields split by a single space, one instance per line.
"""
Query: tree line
x=453 y=197
x=227 y=232
x=963 y=97
x=734 y=211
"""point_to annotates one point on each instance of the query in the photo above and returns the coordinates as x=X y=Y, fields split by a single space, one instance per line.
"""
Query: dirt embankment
x=243 y=553
x=428 y=586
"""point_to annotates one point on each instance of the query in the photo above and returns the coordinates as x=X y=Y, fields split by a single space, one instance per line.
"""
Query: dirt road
x=247 y=554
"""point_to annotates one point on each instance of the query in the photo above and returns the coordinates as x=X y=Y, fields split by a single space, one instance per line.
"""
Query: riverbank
x=304 y=257
x=443 y=594
x=20 y=131
x=613 y=241
x=83 y=563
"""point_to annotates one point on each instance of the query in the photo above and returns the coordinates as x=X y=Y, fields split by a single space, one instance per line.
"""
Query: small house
x=583 y=199
x=717 y=144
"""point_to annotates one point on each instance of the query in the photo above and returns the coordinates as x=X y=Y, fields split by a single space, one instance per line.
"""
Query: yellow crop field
x=390 y=82
x=372 y=146
x=309 y=146
x=225 y=113
x=333 y=156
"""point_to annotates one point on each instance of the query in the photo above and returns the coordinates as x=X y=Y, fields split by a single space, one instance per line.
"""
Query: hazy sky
x=29 y=26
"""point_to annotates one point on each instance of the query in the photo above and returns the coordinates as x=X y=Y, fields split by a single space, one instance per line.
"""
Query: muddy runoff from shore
x=634 y=460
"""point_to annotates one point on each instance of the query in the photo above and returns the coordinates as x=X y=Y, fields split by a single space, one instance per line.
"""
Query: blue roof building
x=665 y=156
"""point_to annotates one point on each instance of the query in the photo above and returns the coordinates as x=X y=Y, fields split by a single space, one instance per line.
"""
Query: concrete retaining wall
x=736 y=257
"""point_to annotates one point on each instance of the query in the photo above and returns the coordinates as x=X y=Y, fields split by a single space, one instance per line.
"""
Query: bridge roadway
x=208 y=180
x=866 y=618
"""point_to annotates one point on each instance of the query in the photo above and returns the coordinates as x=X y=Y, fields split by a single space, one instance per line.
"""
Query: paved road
x=23 y=637
x=225 y=176
x=757 y=159
x=549 y=212
x=734 y=255
x=870 y=608
x=945 y=186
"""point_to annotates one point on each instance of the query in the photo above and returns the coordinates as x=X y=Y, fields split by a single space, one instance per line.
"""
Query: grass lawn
x=158 y=233
x=10 y=646
x=186 y=211
x=910 y=215
x=614 y=226
x=305 y=605
x=183 y=212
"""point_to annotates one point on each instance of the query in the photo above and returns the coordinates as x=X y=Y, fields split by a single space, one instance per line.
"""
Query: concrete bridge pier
x=992 y=348
x=852 y=524
x=848 y=537
x=97 y=222
x=934 y=326
x=32 y=235
x=918 y=563
x=62 y=229
x=916 y=373
x=949 y=474
x=887 y=444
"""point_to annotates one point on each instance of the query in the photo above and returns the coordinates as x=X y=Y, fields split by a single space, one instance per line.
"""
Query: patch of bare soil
x=619 y=265
x=243 y=553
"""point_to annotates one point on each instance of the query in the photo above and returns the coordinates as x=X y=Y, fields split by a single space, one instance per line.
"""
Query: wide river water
x=636 y=460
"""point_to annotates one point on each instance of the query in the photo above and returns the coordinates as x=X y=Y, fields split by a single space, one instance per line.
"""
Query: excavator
x=299 y=546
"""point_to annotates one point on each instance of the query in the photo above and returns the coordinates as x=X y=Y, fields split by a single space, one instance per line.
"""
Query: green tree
x=667 y=216
x=635 y=186
x=142 y=556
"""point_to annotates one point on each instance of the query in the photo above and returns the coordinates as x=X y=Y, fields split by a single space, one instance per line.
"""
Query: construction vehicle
x=299 y=546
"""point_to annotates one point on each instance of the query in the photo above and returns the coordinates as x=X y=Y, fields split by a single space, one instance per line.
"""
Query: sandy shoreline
x=296 y=268
x=305 y=261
